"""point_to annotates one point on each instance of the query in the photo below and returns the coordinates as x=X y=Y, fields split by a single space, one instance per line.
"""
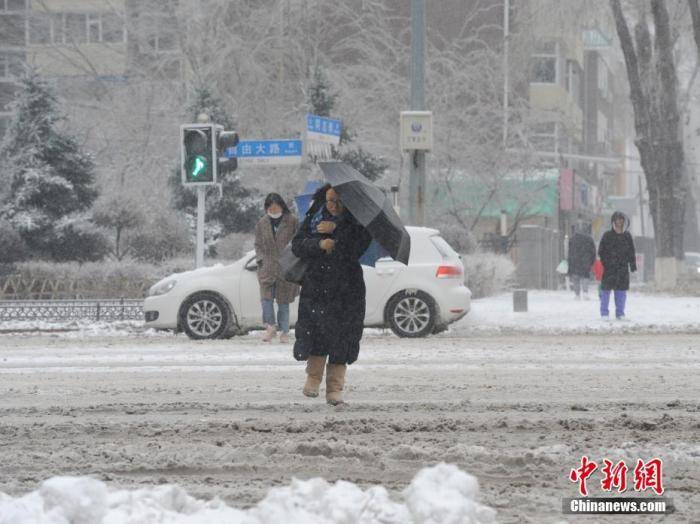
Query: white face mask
x=274 y=215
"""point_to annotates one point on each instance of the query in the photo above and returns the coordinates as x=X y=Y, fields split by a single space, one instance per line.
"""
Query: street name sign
x=282 y=152
x=323 y=129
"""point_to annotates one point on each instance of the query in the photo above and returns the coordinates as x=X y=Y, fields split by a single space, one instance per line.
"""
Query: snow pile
x=80 y=328
x=556 y=312
x=442 y=494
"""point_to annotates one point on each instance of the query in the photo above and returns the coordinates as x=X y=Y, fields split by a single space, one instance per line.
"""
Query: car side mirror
x=252 y=264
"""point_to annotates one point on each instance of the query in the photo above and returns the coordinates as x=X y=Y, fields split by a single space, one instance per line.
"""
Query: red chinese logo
x=614 y=476
x=581 y=474
x=647 y=475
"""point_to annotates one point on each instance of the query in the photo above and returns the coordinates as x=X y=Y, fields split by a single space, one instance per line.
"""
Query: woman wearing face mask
x=332 y=302
x=272 y=233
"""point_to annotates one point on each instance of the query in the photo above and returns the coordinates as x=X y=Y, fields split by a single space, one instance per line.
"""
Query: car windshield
x=444 y=248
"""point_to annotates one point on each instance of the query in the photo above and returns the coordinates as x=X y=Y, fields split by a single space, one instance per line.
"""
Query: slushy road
x=227 y=418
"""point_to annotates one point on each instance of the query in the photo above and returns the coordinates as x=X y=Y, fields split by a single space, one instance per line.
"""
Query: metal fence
x=62 y=310
x=22 y=287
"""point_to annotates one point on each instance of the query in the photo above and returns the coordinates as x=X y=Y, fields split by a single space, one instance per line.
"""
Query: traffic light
x=198 y=154
x=225 y=140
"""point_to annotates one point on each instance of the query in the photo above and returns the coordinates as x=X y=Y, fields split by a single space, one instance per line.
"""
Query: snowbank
x=556 y=312
x=80 y=328
x=442 y=494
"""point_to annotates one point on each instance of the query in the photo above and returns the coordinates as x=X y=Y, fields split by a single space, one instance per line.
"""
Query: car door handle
x=384 y=272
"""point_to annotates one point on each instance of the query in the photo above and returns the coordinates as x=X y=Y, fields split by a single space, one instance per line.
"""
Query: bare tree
x=651 y=72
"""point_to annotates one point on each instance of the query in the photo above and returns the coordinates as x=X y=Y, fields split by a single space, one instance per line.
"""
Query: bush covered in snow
x=127 y=278
x=160 y=239
x=487 y=273
x=442 y=494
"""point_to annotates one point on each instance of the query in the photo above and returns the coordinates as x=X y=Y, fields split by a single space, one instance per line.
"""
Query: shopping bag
x=563 y=267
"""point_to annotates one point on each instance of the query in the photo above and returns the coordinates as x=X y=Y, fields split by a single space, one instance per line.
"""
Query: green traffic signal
x=197 y=168
x=198 y=153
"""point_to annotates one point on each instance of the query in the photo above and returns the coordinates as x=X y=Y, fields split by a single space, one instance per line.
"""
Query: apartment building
x=106 y=40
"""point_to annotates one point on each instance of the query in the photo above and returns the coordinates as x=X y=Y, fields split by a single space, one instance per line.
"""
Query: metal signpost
x=267 y=152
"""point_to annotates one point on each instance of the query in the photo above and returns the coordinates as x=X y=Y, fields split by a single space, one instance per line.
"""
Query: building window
x=39 y=28
x=94 y=29
x=160 y=36
x=112 y=28
x=544 y=64
x=13 y=5
x=76 y=28
x=544 y=137
x=11 y=65
x=12 y=33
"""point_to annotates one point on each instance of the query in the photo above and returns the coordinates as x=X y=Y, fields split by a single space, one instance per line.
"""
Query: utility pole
x=416 y=181
x=506 y=44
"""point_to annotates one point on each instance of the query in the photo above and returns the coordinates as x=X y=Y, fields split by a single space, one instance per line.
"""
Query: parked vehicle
x=414 y=300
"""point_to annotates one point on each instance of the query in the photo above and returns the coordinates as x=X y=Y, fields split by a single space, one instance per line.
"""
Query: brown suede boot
x=335 y=381
x=314 y=375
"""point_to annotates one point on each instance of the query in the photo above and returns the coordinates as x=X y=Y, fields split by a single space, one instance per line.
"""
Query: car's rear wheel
x=204 y=316
x=411 y=315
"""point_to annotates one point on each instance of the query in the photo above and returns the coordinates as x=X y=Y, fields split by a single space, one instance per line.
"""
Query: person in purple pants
x=617 y=254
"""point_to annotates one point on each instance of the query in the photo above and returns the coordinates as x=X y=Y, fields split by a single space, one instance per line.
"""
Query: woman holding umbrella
x=332 y=301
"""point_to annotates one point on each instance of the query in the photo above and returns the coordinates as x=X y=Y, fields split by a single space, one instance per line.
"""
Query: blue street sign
x=270 y=152
x=323 y=129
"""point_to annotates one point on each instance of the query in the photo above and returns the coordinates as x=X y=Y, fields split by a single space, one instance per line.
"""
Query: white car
x=414 y=300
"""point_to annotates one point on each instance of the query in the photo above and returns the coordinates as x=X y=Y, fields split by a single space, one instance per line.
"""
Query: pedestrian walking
x=581 y=258
x=332 y=300
x=272 y=233
x=617 y=254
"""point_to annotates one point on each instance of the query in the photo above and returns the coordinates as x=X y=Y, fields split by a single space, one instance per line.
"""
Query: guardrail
x=61 y=310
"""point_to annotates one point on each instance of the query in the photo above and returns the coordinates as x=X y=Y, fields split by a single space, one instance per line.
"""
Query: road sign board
x=323 y=129
x=267 y=152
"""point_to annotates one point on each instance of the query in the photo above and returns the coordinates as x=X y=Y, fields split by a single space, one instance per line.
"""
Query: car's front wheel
x=411 y=314
x=204 y=315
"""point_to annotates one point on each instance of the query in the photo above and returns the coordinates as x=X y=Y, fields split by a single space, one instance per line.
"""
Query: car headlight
x=698 y=268
x=162 y=288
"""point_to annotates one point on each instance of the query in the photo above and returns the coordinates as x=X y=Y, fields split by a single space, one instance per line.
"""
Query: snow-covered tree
x=51 y=180
x=234 y=210
x=119 y=215
x=321 y=101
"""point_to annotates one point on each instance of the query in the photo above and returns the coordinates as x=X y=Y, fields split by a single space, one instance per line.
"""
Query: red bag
x=597 y=269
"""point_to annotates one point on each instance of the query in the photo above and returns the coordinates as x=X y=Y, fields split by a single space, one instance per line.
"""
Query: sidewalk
x=557 y=312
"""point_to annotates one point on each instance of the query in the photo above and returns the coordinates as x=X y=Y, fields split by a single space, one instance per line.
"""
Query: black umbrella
x=371 y=207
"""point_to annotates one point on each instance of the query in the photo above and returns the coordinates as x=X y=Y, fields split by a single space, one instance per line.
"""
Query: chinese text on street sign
x=323 y=129
x=267 y=152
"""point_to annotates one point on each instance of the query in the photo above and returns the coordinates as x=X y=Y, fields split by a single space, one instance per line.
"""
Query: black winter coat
x=332 y=300
x=616 y=252
x=581 y=255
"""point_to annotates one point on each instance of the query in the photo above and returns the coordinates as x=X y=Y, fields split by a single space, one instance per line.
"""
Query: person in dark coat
x=272 y=233
x=332 y=301
x=616 y=252
x=581 y=258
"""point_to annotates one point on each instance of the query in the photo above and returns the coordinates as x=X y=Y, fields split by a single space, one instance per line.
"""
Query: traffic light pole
x=416 y=180
x=199 y=253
